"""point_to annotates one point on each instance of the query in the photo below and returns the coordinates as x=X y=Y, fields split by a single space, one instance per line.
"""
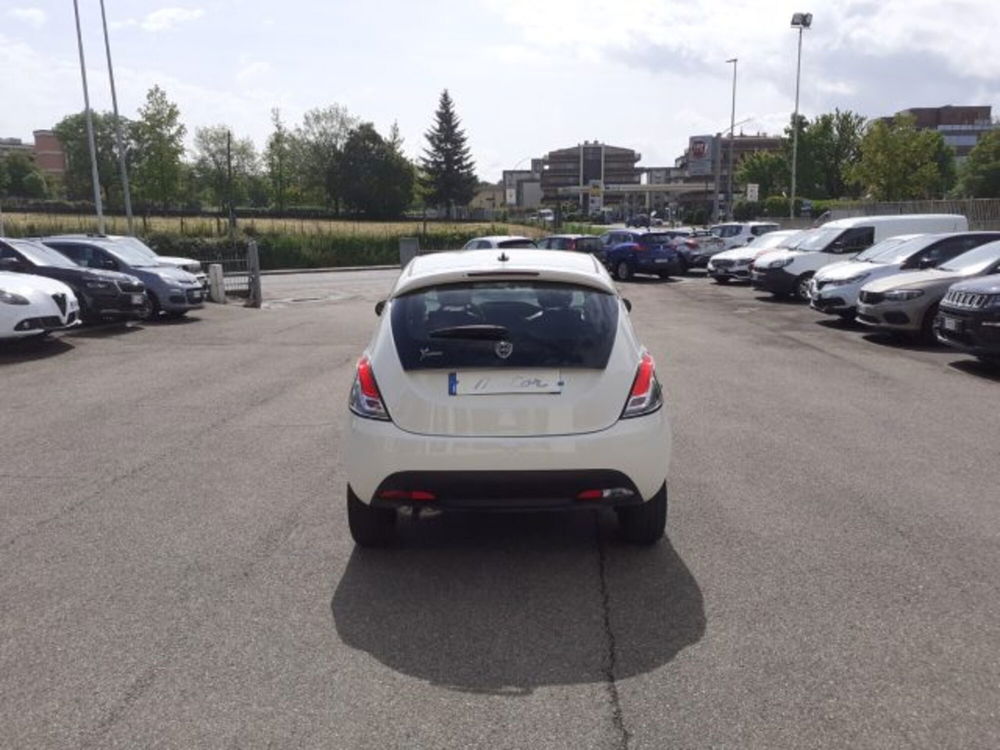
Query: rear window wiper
x=475 y=331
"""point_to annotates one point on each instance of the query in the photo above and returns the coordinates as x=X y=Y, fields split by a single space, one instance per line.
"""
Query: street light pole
x=98 y=205
x=801 y=21
x=119 y=141
x=732 y=138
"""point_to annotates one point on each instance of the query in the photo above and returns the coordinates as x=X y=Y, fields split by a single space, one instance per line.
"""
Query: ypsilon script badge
x=503 y=349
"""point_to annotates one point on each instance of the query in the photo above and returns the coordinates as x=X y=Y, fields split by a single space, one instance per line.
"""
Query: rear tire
x=370 y=526
x=646 y=523
x=623 y=271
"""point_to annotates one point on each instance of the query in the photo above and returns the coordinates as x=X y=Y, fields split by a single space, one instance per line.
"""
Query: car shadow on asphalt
x=902 y=341
x=504 y=604
x=103 y=330
x=163 y=320
x=842 y=324
x=780 y=300
x=27 y=350
x=977 y=368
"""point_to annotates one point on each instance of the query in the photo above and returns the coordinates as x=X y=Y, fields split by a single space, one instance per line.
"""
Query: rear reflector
x=606 y=494
x=406 y=495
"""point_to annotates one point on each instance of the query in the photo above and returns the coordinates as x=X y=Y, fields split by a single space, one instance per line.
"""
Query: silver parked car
x=908 y=302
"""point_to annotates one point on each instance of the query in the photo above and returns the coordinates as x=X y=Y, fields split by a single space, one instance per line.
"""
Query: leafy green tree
x=377 y=179
x=72 y=133
x=835 y=147
x=980 y=175
x=318 y=143
x=807 y=179
x=21 y=178
x=447 y=170
x=900 y=162
x=159 y=148
x=278 y=159
x=765 y=168
x=213 y=157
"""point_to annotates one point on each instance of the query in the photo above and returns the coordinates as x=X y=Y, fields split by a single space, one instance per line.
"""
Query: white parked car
x=734 y=265
x=739 y=233
x=499 y=240
x=787 y=272
x=505 y=381
x=834 y=289
x=34 y=306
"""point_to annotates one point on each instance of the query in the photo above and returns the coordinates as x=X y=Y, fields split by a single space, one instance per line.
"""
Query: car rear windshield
x=495 y=324
x=655 y=238
x=512 y=244
x=589 y=245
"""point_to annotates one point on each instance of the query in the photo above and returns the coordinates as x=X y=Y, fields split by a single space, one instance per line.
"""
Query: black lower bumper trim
x=774 y=280
x=508 y=490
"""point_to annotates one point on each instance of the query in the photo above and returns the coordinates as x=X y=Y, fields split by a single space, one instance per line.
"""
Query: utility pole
x=119 y=141
x=800 y=21
x=229 y=180
x=732 y=138
x=98 y=205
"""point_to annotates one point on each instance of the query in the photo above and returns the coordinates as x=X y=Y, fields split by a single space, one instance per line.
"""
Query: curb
x=335 y=269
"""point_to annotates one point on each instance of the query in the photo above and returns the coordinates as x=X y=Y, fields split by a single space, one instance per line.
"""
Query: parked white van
x=785 y=272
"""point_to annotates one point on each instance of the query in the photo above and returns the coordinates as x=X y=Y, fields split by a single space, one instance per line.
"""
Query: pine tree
x=448 y=177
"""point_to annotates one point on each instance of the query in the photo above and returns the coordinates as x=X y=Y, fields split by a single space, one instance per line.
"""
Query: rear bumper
x=511 y=472
x=508 y=490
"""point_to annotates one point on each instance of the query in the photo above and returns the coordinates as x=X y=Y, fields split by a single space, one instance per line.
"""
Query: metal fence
x=235 y=267
x=982 y=213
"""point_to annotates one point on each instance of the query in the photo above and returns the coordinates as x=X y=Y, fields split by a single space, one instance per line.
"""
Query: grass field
x=23 y=225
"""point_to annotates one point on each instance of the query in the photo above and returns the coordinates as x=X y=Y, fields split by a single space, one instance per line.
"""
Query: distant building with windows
x=47 y=151
x=961 y=126
x=578 y=167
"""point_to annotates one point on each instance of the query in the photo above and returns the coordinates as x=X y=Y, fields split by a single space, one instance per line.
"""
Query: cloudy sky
x=527 y=76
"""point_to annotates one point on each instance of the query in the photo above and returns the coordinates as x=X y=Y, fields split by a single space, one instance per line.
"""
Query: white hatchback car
x=34 y=306
x=506 y=241
x=506 y=380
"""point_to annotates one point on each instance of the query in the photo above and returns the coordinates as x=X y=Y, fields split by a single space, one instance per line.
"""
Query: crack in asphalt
x=611 y=655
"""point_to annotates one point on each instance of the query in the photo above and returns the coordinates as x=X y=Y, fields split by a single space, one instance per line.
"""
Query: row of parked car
x=53 y=283
x=922 y=275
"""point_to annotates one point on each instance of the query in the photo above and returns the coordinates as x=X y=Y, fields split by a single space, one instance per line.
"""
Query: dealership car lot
x=177 y=569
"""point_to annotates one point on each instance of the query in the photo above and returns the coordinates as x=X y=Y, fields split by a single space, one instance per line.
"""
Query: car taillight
x=406 y=495
x=691 y=244
x=365 y=399
x=571 y=245
x=637 y=246
x=646 y=395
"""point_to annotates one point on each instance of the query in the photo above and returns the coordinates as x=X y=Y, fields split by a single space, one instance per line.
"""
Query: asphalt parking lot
x=176 y=571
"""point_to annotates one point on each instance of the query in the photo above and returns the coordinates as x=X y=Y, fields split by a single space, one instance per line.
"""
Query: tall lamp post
x=119 y=141
x=800 y=21
x=732 y=138
x=90 y=124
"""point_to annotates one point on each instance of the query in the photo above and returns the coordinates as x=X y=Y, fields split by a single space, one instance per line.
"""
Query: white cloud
x=33 y=16
x=166 y=19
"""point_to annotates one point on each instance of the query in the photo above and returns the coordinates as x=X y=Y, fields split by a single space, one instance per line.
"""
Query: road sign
x=753 y=191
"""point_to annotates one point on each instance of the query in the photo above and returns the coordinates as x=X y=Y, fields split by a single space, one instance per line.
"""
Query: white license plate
x=663 y=260
x=138 y=299
x=196 y=297
x=497 y=382
x=951 y=324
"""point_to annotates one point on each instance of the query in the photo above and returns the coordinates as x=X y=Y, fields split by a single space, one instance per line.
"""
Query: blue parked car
x=172 y=291
x=631 y=251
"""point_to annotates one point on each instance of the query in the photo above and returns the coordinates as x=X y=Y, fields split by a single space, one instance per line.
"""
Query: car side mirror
x=10 y=264
x=926 y=263
x=379 y=307
x=108 y=264
x=628 y=303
